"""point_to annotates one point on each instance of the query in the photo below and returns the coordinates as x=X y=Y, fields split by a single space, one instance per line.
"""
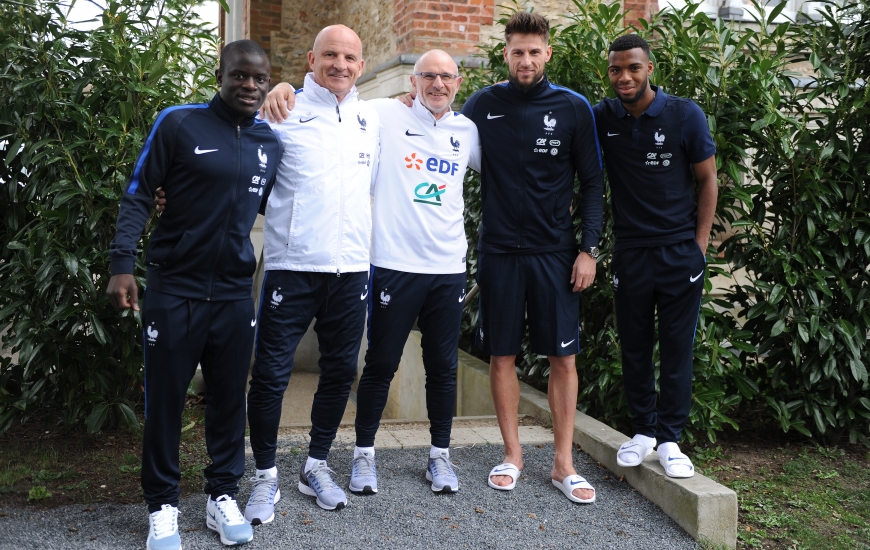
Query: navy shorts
x=516 y=288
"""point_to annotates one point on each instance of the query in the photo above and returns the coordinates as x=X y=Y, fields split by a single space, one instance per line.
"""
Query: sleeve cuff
x=122 y=266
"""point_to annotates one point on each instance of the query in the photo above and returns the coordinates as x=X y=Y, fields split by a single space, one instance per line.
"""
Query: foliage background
x=787 y=337
x=75 y=108
x=789 y=334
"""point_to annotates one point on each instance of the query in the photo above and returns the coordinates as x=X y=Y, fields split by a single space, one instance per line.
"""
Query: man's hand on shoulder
x=279 y=103
x=584 y=272
x=407 y=99
x=160 y=199
x=123 y=292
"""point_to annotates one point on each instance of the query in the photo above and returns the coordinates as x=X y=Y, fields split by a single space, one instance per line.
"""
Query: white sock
x=360 y=450
x=631 y=456
x=668 y=449
x=435 y=452
x=310 y=463
x=271 y=472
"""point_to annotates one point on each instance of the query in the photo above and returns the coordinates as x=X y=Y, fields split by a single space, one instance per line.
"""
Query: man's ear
x=219 y=76
x=413 y=84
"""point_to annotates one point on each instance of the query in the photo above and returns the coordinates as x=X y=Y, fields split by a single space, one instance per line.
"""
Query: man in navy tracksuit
x=215 y=163
x=655 y=147
x=535 y=136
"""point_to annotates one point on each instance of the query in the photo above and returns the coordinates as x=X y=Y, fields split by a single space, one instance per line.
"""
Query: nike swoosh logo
x=611 y=135
x=462 y=298
x=575 y=482
x=199 y=151
x=490 y=117
x=564 y=345
x=304 y=120
x=502 y=470
x=408 y=133
x=675 y=458
x=363 y=296
x=695 y=278
x=253 y=322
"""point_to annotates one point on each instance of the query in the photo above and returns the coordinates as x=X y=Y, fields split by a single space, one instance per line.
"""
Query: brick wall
x=453 y=25
x=640 y=9
x=265 y=18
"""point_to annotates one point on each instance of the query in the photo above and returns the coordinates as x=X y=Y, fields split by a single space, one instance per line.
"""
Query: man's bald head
x=341 y=32
x=435 y=57
x=436 y=81
x=336 y=59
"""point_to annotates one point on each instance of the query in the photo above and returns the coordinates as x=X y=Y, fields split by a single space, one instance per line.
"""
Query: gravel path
x=405 y=514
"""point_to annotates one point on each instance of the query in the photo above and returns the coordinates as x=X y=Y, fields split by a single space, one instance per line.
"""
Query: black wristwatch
x=591 y=250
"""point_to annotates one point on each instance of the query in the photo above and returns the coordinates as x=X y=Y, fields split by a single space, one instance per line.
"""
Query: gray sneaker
x=317 y=482
x=364 y=474
x=441 y=474
x=265 y=494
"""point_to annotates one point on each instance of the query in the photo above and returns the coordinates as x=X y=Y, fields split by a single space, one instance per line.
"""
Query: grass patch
x=795 y=497
x=45 y=464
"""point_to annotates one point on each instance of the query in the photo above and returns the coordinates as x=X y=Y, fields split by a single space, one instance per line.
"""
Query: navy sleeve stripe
x=594 y=124
x=134 y=181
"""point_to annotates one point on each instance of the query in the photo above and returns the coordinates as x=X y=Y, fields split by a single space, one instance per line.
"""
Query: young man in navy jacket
x=656 y=147
x=215 y=162
x=536 y=136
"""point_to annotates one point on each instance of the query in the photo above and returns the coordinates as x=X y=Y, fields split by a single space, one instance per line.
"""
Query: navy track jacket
x=216 y=175
x=533 y=144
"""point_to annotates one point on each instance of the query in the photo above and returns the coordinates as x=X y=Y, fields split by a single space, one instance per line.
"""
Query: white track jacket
x=418 y=226
x=318 y=217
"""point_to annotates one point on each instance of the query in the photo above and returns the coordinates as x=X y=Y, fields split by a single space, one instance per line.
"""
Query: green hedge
x=793 y=190
x=75 y=107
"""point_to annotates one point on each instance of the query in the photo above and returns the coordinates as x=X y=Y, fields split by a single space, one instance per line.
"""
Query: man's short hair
x=523 y=22
x=241 y=47
x=629 y=42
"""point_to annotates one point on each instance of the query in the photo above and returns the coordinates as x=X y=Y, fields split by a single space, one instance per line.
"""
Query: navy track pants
x=180 y=333
x=291 y=299
x=397 y=299
x=667 y=280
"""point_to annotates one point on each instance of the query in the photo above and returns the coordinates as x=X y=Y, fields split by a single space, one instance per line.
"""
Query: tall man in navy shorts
x=214 y=162
x=535 y=137
x=656 y=146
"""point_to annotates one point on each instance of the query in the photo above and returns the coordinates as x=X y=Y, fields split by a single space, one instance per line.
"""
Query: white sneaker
x=223 y=515
x=163 y=533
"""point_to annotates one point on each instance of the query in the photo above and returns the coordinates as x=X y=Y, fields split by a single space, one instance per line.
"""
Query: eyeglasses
x=446 y=78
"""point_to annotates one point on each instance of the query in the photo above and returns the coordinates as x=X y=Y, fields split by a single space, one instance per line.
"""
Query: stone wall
x=301 y=20
x=373 y=22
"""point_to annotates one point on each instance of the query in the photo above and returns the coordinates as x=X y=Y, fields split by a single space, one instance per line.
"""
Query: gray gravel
x=405 y=514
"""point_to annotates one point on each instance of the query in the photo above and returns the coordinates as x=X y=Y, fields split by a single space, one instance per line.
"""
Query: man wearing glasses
x=418 y=257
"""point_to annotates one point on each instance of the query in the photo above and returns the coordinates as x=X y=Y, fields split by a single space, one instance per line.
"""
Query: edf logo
x=440 y=166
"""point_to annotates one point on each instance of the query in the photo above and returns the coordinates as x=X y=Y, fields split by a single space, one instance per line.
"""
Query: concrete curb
x=705 y=509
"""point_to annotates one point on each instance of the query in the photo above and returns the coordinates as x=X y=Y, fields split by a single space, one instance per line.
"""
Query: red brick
x=421 y=15
x=453 y=35
x=453 y=17
x=438 y=7
x=438 y=25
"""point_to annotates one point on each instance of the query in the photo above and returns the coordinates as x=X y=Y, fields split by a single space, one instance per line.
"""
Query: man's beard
x=638 y=95
x=523 y=87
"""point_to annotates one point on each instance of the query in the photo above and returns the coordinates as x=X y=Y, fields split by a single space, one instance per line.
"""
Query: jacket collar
x=225 y=113
x=426 y=115
x=536 y=90
x=318 y=93
x=654 y=109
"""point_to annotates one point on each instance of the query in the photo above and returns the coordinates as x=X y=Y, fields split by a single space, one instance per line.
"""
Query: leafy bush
x=800 y=345
x=75 y=108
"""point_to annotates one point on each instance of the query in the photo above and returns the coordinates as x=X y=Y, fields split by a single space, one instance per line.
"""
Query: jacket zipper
x=229 y=210
x=341 y=195
x=522 y=178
